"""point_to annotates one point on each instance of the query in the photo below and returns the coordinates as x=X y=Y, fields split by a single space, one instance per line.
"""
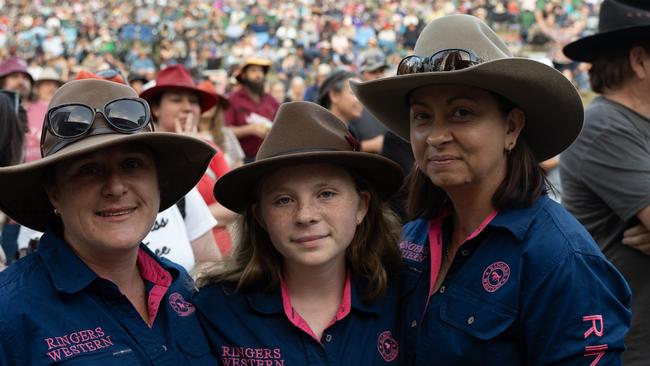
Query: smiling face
x=176 y=107
x=311 y=213
x=107 y=200
x=460 y=136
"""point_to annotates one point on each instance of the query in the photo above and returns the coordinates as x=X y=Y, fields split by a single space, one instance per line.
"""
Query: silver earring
x=56 y=212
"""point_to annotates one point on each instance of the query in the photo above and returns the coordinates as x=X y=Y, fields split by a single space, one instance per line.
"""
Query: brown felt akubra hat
x=552 y=105
x=180 y=160
x=618 y=22
x=306 y=133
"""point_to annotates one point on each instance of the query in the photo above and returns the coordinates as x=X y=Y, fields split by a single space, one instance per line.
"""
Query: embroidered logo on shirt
x=412 y=251
x=231 y=355
x=495 y=276
x=75 y=343
x=387 y=346
x=180 y=306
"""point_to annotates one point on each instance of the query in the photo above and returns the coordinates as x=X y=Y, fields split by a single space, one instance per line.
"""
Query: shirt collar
x=270 y=302
x=518 y=221
x=68 y=272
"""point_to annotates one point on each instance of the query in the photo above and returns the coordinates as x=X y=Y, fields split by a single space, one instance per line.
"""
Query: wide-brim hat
x=180 y=160
x=306 y=133
x=617 y=23
x=208 y=86
x=177 y=77
x=257 y=61
x=552 y=105
x=12 y=65
x=49 y=74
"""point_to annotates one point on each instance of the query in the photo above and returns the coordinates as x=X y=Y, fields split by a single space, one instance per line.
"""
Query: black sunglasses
x=125 y=115
x=444 y=60
x=14 y=97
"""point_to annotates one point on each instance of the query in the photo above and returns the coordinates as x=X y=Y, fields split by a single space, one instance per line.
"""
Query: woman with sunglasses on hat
x=176 y=104
x=93 y=293
x=495 y=272
x=312 y=279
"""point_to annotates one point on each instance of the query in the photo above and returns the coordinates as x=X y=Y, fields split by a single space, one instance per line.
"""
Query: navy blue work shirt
x=531 y=288
x=55 y=310
x=262 y=328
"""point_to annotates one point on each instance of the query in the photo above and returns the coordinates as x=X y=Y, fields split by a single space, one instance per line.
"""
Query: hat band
x=450 y=59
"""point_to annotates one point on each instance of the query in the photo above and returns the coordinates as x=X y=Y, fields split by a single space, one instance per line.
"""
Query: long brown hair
x=372 y=255
x=524 y=183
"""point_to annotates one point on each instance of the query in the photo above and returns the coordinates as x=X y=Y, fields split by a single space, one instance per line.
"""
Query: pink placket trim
x=435 y=245
x=153 y=272
x=300 y=323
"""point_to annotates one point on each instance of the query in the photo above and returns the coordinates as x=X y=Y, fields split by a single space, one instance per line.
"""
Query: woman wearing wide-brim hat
x=93 y=293
x=495 y=273
x=312 y=279
x=176 y=106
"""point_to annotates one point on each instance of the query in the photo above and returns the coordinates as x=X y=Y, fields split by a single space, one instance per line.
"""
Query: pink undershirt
x=153 y=272
x=435 y=244
x=298 y=321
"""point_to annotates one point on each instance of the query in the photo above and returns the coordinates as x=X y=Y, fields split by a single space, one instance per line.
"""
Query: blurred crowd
x=142 y=37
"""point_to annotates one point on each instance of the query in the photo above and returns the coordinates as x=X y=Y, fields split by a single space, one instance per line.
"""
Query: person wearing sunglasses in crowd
x=93 y=293
x=176 y=104
x=313 y=278
x=495 y=272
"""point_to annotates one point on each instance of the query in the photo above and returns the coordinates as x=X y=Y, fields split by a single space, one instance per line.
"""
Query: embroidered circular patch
x=495 y=276
x=180 y=305
x=387 y=346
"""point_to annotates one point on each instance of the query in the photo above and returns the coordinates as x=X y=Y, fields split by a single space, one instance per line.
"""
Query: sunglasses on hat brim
x=444 y=60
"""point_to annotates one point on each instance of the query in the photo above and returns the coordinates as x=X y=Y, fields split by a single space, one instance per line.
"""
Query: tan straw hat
x=553 y=108
x=305 y=133
x=180 y=160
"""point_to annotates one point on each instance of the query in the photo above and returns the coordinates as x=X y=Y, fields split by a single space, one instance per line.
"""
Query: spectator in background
x=47 y=82
x=336 y=96
x=182 y=233
x=296 y=89
x=251 y=109
x=606 y=172
x=322 y=72
x=137 y=82
x=278 y=91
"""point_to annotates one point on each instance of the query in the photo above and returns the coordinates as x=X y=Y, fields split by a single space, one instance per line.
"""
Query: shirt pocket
x=191 y=339
x=482 y=319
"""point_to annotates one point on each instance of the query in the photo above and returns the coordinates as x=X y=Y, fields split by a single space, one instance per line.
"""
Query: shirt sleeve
x=230 y=115
x=198 y=218
x=577 y=313
x=617 y=169
x=9 y=351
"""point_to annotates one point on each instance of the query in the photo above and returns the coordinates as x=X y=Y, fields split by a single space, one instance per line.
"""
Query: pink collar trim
x=435 y=243
x=300 y=323
x=153 y=272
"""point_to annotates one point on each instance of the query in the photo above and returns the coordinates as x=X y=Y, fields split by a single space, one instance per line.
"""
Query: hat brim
x=206 y=100
x=180 y=162
x=39 y=81
x=552 y=105
x=236 y=189
x=589 y=48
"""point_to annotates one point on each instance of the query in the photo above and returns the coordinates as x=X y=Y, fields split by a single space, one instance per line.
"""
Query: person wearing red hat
x=252 y=110
x=176 y=105
x=14 y=76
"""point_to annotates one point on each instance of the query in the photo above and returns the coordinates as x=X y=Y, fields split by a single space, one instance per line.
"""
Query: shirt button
x=465 y=252
x=164 y=348
x=442 y=289
x=470 y=320
x=328 y=338
x=414 y=324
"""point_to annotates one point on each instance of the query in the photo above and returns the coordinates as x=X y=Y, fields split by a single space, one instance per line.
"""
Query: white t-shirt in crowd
x=171 y=236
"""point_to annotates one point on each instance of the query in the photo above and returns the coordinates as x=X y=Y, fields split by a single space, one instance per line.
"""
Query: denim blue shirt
x=260 y=328
x=55 y=310
x=532 y=288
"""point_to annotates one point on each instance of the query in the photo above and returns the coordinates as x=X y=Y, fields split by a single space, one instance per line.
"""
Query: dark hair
x=524 y=183
x=372 y=255
x=334 y=82
x=12 y=133
x=612 y=68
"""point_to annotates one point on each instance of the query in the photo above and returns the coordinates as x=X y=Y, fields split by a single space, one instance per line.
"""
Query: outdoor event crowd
x=325 y=182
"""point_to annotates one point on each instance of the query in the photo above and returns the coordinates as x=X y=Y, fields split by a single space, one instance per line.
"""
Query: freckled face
x=311 y=213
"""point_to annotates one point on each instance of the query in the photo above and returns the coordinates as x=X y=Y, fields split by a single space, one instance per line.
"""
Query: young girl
x=312 y=280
